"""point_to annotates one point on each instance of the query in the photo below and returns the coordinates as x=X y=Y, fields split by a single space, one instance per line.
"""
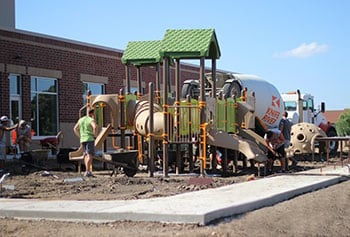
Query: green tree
x=343 y=124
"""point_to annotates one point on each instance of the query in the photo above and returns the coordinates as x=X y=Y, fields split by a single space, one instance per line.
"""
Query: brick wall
x=4 y=94
x=72 y=59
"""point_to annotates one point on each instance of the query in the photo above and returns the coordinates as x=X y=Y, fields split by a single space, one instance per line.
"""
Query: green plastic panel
x=231 y=116
x=185 y=112
x=220 y=115
x=142 y=53
x=223 y=123
x=190 y=44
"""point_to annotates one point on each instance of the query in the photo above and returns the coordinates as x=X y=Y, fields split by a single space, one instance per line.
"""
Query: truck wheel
x=232 y=89
x=333 y=145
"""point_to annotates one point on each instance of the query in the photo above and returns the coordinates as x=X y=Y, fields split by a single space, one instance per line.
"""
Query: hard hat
x=4 y=119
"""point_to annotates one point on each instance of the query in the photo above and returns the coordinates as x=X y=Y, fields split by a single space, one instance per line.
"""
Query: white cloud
x=304 y=51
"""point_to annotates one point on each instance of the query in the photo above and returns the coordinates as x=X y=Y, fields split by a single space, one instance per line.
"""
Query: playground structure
x=166 y=126
x=227 y=115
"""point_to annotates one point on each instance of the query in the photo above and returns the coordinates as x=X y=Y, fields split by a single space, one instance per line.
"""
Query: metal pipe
x=127 y=71
x=165 y=112
x=139 y=82
x=88 y=101
x=177 y=114
x=158 y=75
x=190 y=135
x=213 y=77
x=151 y=132
x=202 y=107
x=122 y=125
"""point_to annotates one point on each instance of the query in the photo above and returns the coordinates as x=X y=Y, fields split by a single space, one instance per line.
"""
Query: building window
x=132 y=90
x=44 y=100
x=15 y=97
x=15 y=84
x=95 y=88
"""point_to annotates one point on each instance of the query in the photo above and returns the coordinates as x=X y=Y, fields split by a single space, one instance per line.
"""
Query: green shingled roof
x=142 y=53
x=191 y=44
x=177 y=44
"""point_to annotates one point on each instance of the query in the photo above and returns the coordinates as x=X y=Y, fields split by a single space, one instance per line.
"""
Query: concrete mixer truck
x=301 y=110
x=269 y=105
x=263 y=113
x=268 y=101
x=309 y=122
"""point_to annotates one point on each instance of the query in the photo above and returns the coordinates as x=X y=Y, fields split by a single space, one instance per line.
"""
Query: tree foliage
x=343 y=124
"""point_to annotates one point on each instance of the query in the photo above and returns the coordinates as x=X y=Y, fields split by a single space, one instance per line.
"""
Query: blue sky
x=293 y=44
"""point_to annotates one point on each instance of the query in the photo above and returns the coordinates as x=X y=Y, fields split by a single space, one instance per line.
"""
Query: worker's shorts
x=2 y=151
x=281 y=153
x=89 y=147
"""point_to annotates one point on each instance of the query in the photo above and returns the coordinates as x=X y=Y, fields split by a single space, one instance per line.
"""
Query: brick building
x=44 y=78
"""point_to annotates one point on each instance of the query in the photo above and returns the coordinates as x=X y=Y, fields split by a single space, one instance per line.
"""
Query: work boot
x=88 y=174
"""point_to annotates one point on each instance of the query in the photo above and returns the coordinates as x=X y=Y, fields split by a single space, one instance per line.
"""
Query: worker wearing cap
x=24 y=136
x=3 y=127
x=86 y=129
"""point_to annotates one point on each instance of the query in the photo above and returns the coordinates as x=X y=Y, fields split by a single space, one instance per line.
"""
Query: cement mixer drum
x=268 y=101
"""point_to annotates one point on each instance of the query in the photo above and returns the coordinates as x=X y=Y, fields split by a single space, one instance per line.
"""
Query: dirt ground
x=324 y=212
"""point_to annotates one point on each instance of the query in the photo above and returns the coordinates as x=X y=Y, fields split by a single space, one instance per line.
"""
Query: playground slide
x=234 y=142
x=252 y=136
x=78 y=154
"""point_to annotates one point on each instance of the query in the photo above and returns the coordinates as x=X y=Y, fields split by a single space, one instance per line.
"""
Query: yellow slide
x=78 y=154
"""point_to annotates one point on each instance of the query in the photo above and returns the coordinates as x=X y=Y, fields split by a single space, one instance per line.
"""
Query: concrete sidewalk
x=200 y=207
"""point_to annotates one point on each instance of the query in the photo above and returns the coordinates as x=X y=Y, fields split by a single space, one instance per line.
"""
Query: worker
x=4 y=128
x=275 y=143
x=86 y=129
x=24 y=136
x=285 y=127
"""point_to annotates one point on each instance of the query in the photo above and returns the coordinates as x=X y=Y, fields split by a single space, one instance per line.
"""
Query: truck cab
x=299 y=111
x=301 y=108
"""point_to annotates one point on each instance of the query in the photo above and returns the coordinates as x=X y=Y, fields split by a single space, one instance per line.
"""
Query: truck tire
x=232 y=89
x=186 y=90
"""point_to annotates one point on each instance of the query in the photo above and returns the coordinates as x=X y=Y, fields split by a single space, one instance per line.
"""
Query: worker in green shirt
x=86 y=129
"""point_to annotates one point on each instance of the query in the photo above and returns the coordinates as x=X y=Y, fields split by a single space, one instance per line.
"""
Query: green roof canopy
x=190 y=44
x=177 y=44
x=142 y=53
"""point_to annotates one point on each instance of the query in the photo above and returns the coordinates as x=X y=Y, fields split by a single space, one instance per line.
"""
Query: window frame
x=37 y=93
x=85 y=89
x=16 y=96
x=86 y=85
x=290 y=105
